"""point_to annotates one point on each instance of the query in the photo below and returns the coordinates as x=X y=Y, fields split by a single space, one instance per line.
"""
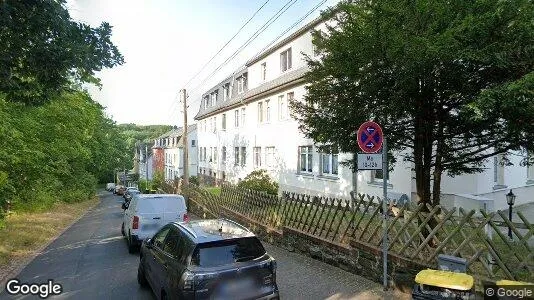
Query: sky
x=166 y=42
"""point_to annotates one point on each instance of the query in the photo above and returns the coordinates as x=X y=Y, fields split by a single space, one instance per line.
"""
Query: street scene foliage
x=56 y=142
x=259 y=180
x=452 y=83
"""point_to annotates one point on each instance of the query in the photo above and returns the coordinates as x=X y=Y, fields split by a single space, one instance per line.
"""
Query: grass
x=214 y=190
x=25 y=232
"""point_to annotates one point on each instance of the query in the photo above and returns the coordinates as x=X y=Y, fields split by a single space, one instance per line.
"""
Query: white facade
x=258 y=125
x=173 y=146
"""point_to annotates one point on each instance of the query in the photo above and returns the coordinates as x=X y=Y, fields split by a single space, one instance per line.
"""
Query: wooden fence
x=418 y=233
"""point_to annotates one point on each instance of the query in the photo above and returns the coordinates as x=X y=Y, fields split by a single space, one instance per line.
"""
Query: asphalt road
x=90 y=260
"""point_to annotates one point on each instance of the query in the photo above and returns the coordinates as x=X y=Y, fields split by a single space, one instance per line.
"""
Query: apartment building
x=244 y=124
x=172 y=151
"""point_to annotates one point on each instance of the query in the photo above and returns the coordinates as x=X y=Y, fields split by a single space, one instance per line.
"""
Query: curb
x=15 y=268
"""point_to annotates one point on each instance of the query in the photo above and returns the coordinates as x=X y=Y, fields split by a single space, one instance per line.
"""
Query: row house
x=169 y=149
x=244 y=124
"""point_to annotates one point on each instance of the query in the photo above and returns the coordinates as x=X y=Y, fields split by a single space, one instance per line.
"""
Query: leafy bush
x=194 y=180
x=259 y=180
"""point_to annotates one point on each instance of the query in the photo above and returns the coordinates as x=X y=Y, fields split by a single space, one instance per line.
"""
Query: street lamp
x=510 y=199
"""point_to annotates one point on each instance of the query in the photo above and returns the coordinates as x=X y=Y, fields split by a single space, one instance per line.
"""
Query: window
x=227 y=252
x=282 y=108
x=215 y=154
x=267 y=111
x=174 y=244
x=378 y=175
x=236 y=156
x=260 y=112
x=264 y=71
x=329 y=162
x=213 y=98
x=223 y=125
x=290 y=98
x=243 y=156
x=269 y=156
x=211 y=154
x=223 y=155
x=193 y=143
x=243 y=110
x=160 y=237
x=285 y=60
x=257 y=157
x=241 y=83
x=226 y=92
x=236 y=118
x=305 y=159
x=498 y=171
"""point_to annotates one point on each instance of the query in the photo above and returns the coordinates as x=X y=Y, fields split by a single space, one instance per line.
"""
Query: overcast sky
x=166 y=42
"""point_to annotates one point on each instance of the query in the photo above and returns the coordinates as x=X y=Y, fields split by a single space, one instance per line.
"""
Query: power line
x=292 y=26
x=319 y=4
x=226 y=44
x=250 y=40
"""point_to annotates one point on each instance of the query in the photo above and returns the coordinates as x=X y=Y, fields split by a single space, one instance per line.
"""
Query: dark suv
x=207 y=259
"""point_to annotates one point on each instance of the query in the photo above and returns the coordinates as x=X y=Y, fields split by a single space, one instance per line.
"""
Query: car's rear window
x=219 y=253
x=160 y=204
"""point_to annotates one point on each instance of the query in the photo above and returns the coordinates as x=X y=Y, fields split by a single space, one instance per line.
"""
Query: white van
x=148 y=213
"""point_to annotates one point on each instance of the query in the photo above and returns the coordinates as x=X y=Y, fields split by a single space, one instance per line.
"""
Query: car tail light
x=135 y=223
x=186 y=218
x=273 y=265
x=189 y=280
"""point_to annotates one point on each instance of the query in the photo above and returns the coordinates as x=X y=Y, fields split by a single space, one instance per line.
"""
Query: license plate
x=235 y=288
x=150 y=226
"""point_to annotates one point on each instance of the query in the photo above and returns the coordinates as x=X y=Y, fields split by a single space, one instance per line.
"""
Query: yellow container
x=445 y=279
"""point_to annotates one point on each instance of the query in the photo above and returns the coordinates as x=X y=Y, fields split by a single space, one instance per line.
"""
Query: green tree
x=43 y=51
x=259 y=180
x=451 y=82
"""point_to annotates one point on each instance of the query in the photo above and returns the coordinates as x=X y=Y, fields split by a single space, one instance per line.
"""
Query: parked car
x=129 y=193
x=119 y=190
x=110 y=187
x=207 y=259
x=147 y=213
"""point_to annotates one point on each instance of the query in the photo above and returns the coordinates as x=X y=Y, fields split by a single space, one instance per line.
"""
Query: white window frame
x=243 y=116
x=264 y=71
x=331 y=158
x=226 y=92
x=282 y=107
x=267 y=111
x=260 y=112
x=270 y=156
x=308 y=157
x=223 y=155
x=241 y=84
x=223 y=122
x=257 y=157
x=286 y=60
x=236 y=156
x=236 y=118
x=243 y=156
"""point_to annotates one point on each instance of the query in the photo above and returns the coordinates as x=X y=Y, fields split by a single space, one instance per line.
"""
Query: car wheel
x=122 y=230
x=141 y=277
x=131 y=246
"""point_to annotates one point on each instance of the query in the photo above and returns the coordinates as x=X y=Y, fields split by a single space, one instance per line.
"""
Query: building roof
x=270 y=86
x=304 y=29
x=203 y=231
x=178 y=131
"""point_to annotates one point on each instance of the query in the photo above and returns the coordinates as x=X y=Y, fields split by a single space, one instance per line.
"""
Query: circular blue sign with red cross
x=370 y=137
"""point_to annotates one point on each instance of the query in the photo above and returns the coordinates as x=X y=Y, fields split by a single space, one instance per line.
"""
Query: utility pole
x=183 y=92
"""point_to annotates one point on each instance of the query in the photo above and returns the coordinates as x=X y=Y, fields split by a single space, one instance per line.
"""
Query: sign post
x=371 y=140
